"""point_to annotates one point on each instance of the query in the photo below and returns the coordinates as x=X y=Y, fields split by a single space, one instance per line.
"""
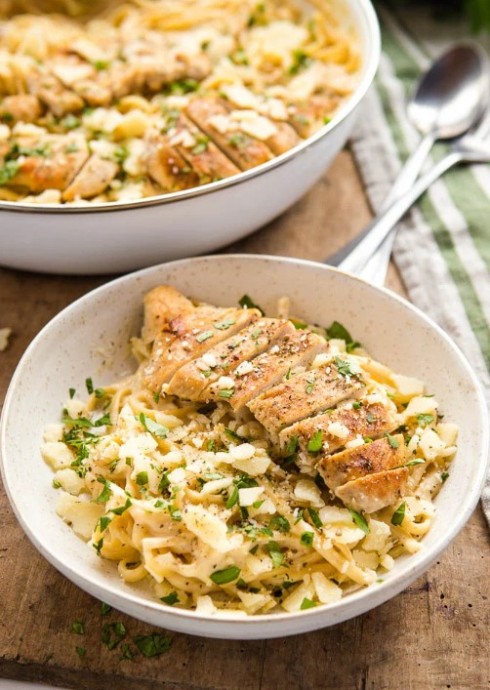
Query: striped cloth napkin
x=443 y=246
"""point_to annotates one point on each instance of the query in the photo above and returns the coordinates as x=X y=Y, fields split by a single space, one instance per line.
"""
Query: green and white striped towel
x=443 y=247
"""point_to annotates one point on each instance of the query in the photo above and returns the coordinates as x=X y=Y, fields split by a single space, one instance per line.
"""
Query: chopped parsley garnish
x=424 y=419
x=444 y=476
x=101 y=65
x=105 y=608
x=202 y=143
x=226 y=392
x=292 y=445
x=180 y=87
x=238 y=140
x=70 y=122
x=103 y=421
x=78 y=627
x=280 y=523
x=345 y=368
x=8 y=172
x=56 y=484
x=153 y=427
x=127 y=652
x=307 y=538
x=315 y=443
x=81 y=651
x=113 y=634
x=120 y=154
x=274 y=551
x=170 y=599
x=399 y=514
x=310 y=386
x=72 y=392
x=357 y=405
x=224 y=325
x=175 y=514
x=299 y=325
x=232 y=498
x=327 y=120
x=234 y=436
x=338 y=332
x=103 y=523
x=315 y=518
x=205 y=335
x=300 y=61
x=360 y=521
x=248 y=303
x=153 y=645
x=106 y=492
x=223 y=577
x=142 y=478
x=164 y=482
x=394 y=442
x=122 y=509
x=156 y=397
x=307 y=604
x=412 y=463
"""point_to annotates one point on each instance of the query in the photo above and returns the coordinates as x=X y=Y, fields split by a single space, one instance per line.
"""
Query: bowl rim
x=367 y=597
x=371 y=58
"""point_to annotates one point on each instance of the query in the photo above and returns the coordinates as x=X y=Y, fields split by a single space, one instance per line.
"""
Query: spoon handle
x=354 y=256
x=376 y=267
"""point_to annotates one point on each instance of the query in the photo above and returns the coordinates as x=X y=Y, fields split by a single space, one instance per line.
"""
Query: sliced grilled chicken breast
x=341 y=425
x=213 y=118
x=374 y=491
x=283 y=140
x=50 y=91
x=21 y=108
x=166 y=166
x=161 y=304
x=307 y=117
x=188 y=336
x=53 y=163
x=93 y=178
x=295 y=349
x=303 y=395
x=356 y=462
x=233 y=354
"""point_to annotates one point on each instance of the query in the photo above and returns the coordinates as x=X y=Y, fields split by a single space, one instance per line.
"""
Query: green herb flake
x=105 y=420
x=153 y=645
x=99 y=393
x=201 y=145
x=315 y=518
x=280 y=523
x=425 y=419
x=299 y=325
x=8 y=172
x=246 y=302
x=78 y=627
x=232 y=498
x=127 y=652
x=288 y=374
x=412 y=463
x=292 y=445
x=170 y=599
x=356 y=405
x=101 y=65
x=122 y=509
x=113 y=634
x=81 y=651
x=226 y=392
x=300 y=61
x=307 y=538
x=105 y=608
x=142 y=478
x=223 y=577
x=444 y=476
x=90 y=386
x=274 y=551
x=338 y=332
x=345 y=368
x=175 y=514
x=153 y=427
x=156 y=397
x=315 y=443
x=224 y=325
x=360 y=521
x=103 y=523
x=234 y=436
x=56 y=484
x=307 y=604
x=310 y=386
x=399 y=514
x=70 y=121
x=205 y=335
x=72 y=392
x=394 y=442
x=106 y=492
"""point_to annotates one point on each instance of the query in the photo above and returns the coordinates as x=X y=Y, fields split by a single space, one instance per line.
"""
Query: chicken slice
x=295 y=349
x=303 y=395
x=21 y=108
x=167 y=167
x=284 y=139
x=383 y=454
x=339 y=426
x=54 y=95
x=162 y=304
x=233 y=354
x=53 y=163
x=202 y=154
x=188 y=336
x=93 y=179
x=245 y=151
x=374 y=491
x=309 y=116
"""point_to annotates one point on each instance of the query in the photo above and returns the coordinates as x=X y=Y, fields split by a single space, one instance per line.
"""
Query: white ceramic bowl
x=69 y=349
x=116 y=237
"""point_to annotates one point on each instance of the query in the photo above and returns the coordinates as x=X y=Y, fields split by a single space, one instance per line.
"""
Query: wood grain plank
x=433 y=635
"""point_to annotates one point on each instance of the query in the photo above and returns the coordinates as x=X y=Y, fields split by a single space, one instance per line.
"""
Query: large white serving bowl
x=90 y=338
x=116 y=237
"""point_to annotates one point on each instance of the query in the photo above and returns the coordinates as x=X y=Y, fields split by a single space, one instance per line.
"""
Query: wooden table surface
x=433 y=635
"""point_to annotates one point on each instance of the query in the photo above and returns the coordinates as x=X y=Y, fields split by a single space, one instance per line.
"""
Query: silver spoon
x=448 y=100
